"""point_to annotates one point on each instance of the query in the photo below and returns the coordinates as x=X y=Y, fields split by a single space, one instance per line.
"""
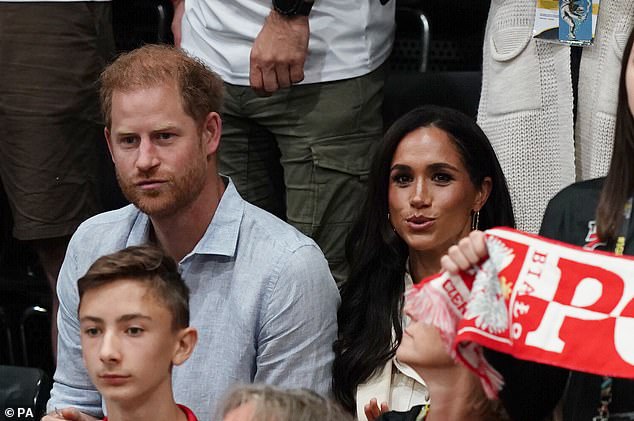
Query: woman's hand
x=373 y=411
x=467 y=253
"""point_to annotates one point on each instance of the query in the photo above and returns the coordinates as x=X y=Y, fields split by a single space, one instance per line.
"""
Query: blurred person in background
x=302 y=111
x=51 y=131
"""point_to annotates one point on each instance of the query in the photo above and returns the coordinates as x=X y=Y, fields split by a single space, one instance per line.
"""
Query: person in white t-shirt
x=304 y=90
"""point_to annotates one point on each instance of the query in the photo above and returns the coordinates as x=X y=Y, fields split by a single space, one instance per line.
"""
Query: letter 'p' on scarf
x=538 y=300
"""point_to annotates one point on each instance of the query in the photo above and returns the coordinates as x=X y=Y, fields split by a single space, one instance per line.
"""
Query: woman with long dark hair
x=434 y=178
x=596 y=214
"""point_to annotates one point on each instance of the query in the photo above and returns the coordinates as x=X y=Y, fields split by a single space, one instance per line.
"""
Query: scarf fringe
x=430 y=305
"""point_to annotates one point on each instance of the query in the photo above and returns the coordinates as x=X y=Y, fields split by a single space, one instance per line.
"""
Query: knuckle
x=453 y=251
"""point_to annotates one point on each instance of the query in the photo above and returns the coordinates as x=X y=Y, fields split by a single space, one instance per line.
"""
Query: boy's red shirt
x=190 y=415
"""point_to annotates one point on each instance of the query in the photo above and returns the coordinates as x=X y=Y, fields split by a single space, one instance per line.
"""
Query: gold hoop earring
x=475 y=220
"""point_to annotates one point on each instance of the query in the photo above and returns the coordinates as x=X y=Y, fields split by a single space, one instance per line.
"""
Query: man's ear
x=187 y=339
x=483 y=194
x=106 y=133
x=211 y=132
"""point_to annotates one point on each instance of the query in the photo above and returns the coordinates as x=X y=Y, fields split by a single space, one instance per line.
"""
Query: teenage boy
x=134 y=322
x=263 y=299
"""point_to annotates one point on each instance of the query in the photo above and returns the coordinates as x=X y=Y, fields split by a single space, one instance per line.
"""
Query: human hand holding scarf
x=538 y=300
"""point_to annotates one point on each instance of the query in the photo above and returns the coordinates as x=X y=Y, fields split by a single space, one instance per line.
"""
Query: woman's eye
x=442 y=178
x=401 y=178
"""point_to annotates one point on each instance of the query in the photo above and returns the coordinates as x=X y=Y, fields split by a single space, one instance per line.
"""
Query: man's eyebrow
x=123 y=133
x=169 y=127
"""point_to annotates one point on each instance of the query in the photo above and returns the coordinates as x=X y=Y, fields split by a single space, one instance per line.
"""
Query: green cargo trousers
x=304 y=154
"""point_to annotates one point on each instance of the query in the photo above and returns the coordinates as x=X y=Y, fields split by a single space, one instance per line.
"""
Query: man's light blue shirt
x=262 y=299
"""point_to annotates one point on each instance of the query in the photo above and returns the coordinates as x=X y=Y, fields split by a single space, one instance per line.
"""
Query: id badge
x=570 y=22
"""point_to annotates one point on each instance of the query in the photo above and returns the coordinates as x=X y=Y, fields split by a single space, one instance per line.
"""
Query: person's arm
x=279 y=53
x=299 y=324
x=531 y=390
x=179 y=10
x=72 y=386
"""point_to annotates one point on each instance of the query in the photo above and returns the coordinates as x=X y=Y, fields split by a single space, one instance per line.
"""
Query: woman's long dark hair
x=372 y=297
x=619 y=183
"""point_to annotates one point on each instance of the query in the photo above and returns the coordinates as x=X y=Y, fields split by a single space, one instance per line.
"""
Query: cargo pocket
x=341 y=168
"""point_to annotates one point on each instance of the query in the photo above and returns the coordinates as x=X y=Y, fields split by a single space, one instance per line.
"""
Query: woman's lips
x=419 y=223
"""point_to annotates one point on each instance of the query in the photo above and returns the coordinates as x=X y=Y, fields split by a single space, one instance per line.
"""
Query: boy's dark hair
x=147 y=264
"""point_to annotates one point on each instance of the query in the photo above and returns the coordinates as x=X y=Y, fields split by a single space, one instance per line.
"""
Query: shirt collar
x=409 y=371
x=408 y=277
x=221 y=236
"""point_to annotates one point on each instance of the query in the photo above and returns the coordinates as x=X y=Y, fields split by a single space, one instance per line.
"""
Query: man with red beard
x=263 y=300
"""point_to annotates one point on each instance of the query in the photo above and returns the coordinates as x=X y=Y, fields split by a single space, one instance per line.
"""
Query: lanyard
x=625 y=226
x=606 y=383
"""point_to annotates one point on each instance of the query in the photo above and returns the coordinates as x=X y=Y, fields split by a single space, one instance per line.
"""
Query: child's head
x=134 y=323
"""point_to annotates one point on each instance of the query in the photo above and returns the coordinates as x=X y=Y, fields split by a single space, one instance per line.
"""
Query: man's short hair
x=149 y=265
x=272 y=403
x=201 y=90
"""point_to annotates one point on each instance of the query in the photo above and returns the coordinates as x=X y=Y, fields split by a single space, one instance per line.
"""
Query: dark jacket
x=411 y=415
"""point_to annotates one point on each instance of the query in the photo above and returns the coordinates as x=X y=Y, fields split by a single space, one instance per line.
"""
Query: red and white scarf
x=536 y=299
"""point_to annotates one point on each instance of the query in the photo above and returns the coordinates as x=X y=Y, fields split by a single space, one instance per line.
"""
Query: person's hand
x=278 y=53
x=69 y=414
x=179 y=10
x=468 y=252
x=373 y=411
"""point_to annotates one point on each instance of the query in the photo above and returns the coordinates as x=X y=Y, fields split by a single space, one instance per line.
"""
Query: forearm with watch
x=280 y=49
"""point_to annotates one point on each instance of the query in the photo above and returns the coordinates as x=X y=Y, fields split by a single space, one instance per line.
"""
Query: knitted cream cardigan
x=526 y=103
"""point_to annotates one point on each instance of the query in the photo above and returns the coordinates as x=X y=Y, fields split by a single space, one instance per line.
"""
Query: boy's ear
x=187 y=339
